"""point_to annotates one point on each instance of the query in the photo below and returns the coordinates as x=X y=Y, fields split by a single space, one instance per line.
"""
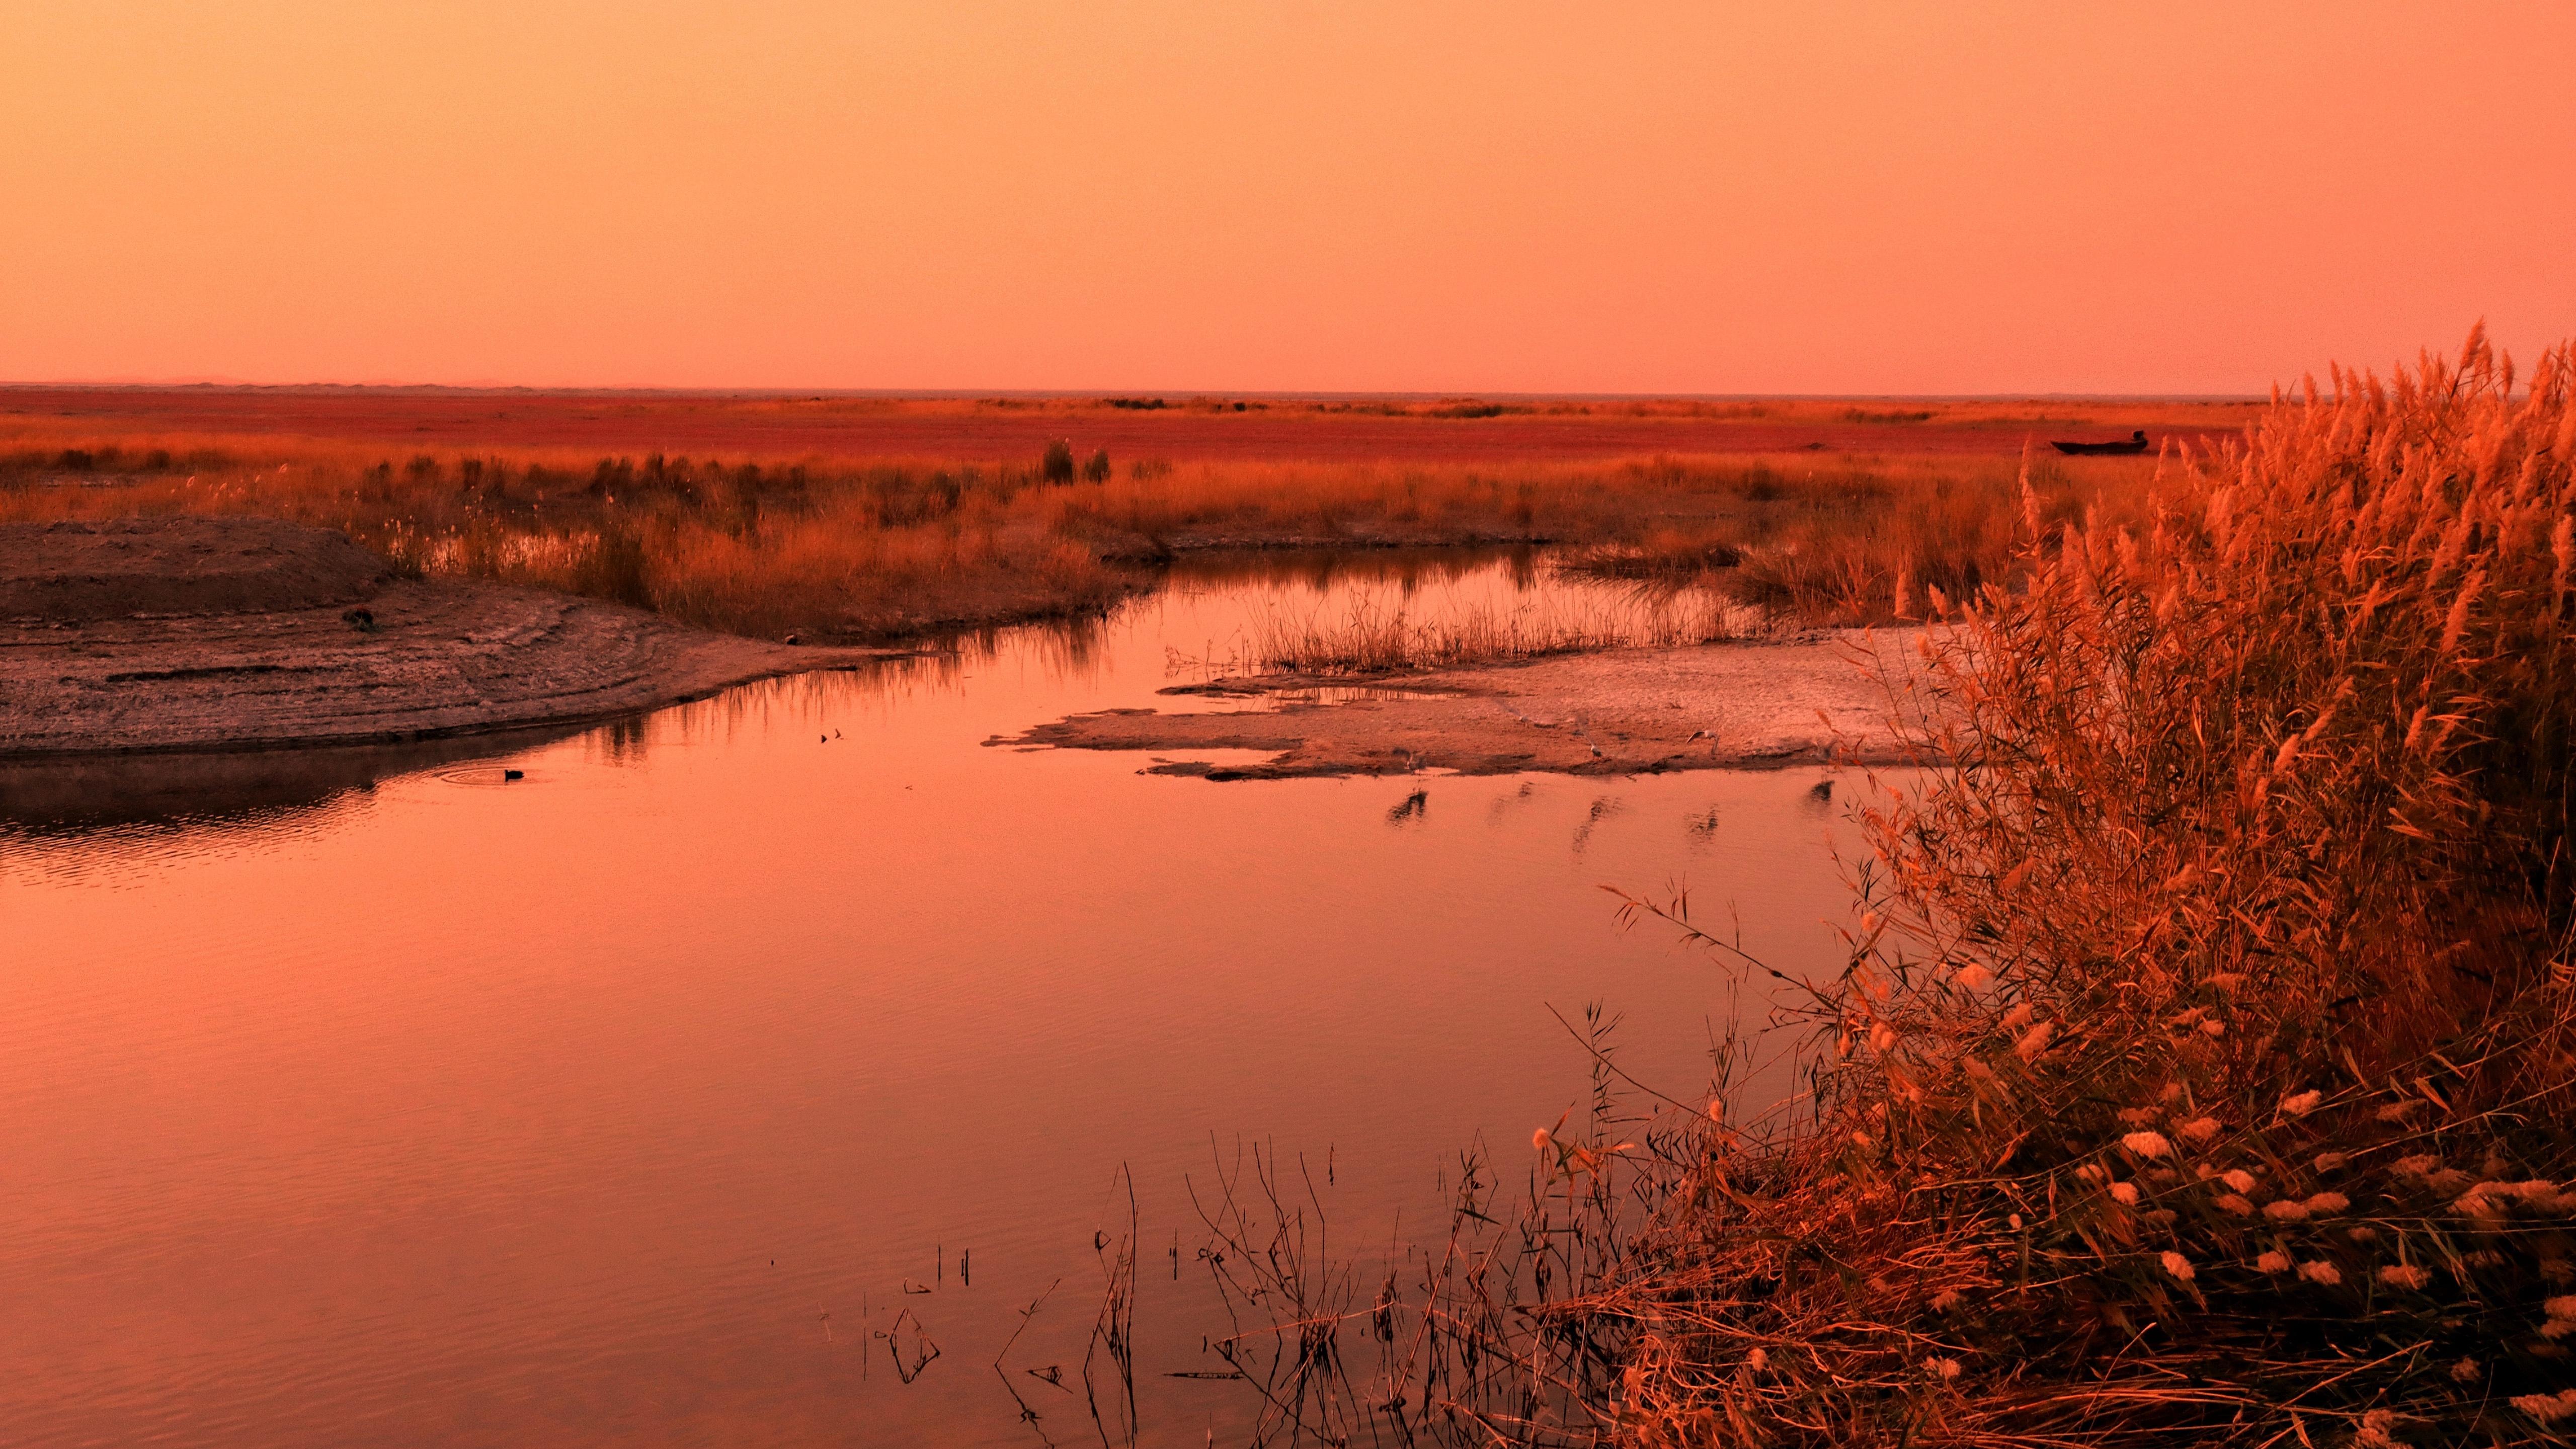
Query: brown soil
x=199 y=633
x=76 y=572
x=1821 y=698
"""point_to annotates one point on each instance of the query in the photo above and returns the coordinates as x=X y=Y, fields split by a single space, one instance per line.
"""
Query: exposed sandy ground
x=1632 y=711
x=197 y=634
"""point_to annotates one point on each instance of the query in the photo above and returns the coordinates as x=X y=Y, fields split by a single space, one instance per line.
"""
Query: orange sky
x=1278 y=194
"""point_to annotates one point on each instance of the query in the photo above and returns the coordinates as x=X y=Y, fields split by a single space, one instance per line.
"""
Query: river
x=617 y=1087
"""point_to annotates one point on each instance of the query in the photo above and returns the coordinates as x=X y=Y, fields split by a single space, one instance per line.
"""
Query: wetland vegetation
x=846 y=548
x=2197 y=1064
x=2201 y=1063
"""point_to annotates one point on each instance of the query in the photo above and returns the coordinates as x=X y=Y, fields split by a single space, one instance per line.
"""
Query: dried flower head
x=2481 y=1204
x=2327 y=1204
x=2230 y=1202
x=2213 y=1027
x=2147 y=1144
x=2318 y=1270
x=2238 y=1178
x=2300 y=1104
x=2199 y=1129
x=2404 y=1275
x=1944 y=1369
x=1945 y=1300
x=2547 y=1408
x=1542 y=1139
x=2330 y=1161
x=2019 y=1016
x=2287 y=1210
x=1973 y=977
x=2273 y=1261
x=2035 y=1041
x=2178 y=1265
x=2464 y=1371
x=2125 y=1193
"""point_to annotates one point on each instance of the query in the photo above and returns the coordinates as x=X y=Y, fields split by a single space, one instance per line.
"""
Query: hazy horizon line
x=970 y=394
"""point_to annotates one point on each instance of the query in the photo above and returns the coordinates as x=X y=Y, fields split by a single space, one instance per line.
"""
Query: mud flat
x=1820 y=698
x=235 y=633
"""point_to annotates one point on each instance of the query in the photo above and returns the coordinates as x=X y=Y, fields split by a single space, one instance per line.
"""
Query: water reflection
x=1320 y=570
x=199 y=794
x=353 y=1098
x=1214 y=598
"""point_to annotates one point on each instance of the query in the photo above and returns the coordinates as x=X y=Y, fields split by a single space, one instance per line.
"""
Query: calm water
x=366 y=1098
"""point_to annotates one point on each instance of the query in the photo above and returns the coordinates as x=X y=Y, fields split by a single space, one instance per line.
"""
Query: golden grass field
x=1833 y=510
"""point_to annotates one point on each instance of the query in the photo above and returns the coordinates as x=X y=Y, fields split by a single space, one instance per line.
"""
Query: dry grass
x=2203 y=1065
x=1374 y=635
x=1851 y=545
x=863 y=550
x=873 y=549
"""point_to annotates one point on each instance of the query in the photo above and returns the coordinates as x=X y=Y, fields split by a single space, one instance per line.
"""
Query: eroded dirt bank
x=200 y=634
x=1822 y=697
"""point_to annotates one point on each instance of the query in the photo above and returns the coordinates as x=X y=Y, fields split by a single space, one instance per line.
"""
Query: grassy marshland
x=869 y=549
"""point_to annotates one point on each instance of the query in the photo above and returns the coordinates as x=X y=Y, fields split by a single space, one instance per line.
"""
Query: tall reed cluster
x=2203 y=1065
x=2204 y=1069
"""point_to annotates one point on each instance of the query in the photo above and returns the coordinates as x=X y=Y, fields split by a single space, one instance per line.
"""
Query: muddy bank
x=198 y=634
x=1816 y=699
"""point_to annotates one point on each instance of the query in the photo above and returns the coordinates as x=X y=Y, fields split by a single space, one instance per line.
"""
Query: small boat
x=2135 y=443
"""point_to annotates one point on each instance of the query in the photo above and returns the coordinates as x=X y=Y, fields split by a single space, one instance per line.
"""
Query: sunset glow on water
x=455 y=1110
x=969 y=723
